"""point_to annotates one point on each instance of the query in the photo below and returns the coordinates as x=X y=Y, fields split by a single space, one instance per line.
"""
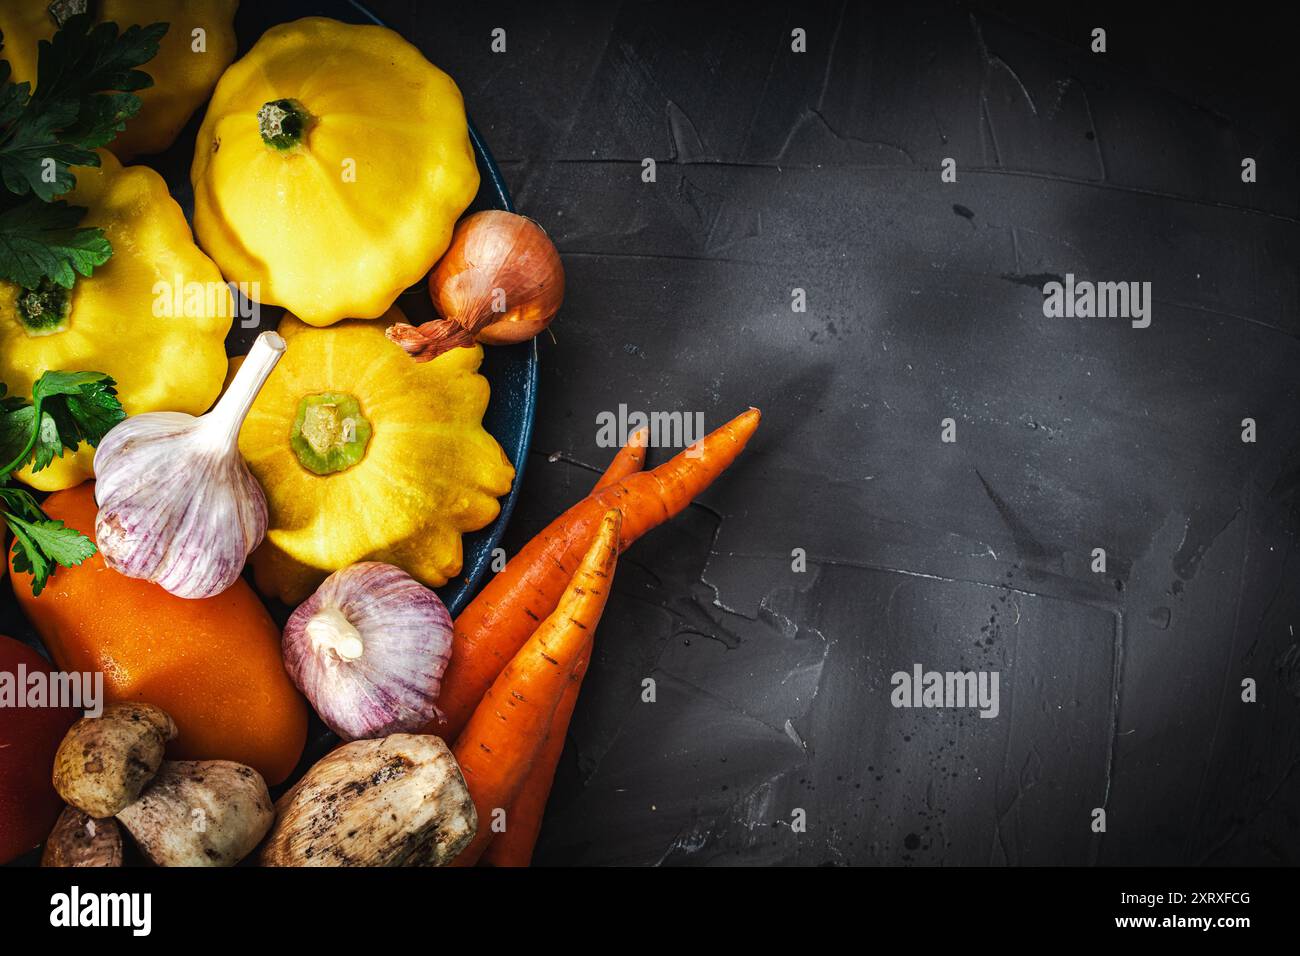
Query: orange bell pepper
x=213 y=664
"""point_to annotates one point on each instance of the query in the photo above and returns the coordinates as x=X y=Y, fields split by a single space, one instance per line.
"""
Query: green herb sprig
x=66 y=409
x=86 y=80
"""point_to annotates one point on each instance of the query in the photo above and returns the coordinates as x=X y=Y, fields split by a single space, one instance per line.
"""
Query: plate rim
x=471 y=579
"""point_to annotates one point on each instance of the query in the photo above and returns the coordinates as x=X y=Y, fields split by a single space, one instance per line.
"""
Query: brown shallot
x=500 y=282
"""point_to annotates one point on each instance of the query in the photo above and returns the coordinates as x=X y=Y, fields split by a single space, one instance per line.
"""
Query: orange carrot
x=508 y=728
x=627 y=460
x=515 y=846
x=498 y=621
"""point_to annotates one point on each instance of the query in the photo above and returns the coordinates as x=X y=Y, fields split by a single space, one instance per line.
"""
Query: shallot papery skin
x=369 y=649
x=501 y=281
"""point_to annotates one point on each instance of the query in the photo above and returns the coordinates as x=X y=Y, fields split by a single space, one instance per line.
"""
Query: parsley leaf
x=83 y=405
x=30 y=137
x=15 y=430
x=67 y=408
x=84 y=58
x=21 y=502
x=85 y=92
x=42 y=240
x=85 y=80
x=42 y=543
x=13 y=96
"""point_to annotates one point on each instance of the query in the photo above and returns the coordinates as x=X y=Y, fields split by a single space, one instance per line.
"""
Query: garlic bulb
x=500 y=282
x=369 y=649
x=177 y=504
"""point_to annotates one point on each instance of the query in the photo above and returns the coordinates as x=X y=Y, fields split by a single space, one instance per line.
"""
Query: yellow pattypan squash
x=366 y=455
x=330 y=169
x=154 y=317
x=198 y=46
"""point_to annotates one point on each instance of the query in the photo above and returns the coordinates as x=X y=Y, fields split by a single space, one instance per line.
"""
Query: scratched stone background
x=820 y=171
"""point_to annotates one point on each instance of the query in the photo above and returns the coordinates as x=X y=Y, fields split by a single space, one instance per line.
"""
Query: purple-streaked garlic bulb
x=177 y=504
x=369 y=649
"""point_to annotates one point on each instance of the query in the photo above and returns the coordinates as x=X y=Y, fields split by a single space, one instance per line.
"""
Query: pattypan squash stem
x=330 y=630
x=61 y=11
x=283 y=123
x=330 y=433
x=44 y=310
x=221 y=425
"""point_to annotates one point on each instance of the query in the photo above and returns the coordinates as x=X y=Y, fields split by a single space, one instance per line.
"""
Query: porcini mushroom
x=200 y=813
x=104 y=762
x=80 y=840
x=180 y=812
x=399 y=801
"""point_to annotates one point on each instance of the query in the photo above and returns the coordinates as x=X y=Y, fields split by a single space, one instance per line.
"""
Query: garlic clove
x=501 y=281
x=369 y=649
x=177 y=504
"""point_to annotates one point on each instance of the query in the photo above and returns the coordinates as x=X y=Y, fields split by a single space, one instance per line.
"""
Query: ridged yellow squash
x=154 y=317
x=366 y=455
x=197 y=48
x=330 y=169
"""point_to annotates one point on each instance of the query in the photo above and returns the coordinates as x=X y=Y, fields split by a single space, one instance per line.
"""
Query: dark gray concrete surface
x=820 y=171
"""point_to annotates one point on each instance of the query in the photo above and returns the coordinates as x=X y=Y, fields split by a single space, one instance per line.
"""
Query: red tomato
x=29 y=736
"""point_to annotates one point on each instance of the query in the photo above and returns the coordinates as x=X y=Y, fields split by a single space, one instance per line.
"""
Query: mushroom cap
x=399 y=801
x=81 y=840
x=104 y=762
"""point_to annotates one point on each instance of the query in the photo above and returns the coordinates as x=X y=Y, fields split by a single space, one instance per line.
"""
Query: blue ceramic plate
x=511 y=370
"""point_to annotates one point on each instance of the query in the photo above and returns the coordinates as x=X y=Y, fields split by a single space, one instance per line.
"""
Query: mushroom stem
x=200 y=813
